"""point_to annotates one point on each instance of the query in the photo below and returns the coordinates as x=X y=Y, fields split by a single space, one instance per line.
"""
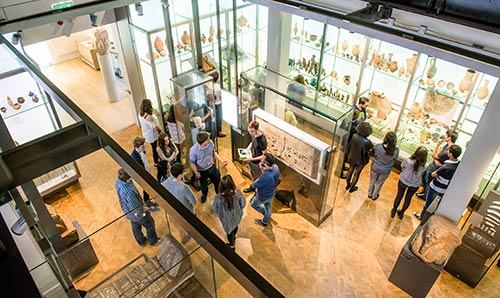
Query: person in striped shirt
x=442 y=177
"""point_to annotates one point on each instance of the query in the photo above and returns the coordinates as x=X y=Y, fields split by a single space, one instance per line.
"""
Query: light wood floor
x=350 y=255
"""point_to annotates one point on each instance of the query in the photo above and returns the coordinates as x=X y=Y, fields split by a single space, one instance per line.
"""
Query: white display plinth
x=108 y=75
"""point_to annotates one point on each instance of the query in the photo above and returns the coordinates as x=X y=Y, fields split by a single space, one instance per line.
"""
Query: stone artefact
x=437 y=240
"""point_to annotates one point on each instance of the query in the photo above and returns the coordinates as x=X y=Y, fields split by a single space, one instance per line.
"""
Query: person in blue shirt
x=134 y=210
x=201 y=158
x=265 y=187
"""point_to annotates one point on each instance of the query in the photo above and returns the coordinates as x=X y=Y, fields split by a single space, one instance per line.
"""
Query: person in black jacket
x=358 y=156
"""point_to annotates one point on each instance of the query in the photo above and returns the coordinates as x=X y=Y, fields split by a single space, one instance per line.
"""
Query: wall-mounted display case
x=311 y=156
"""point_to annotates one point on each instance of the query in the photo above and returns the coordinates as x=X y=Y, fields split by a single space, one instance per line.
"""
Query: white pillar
x=108 y=75
x=474 y=163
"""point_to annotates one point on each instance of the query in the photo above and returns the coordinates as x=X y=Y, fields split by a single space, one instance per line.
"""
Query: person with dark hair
x=384 y=156
x=180 y=190
x=361 y=107
x=167 y=152
x=409 y=180
x=358 y=154
x=134 y=210
x=201 y=158
x=229 y=204
x=258 y=147
x=218 y=103
x=139 y=155
x=441 y=177
x=149 y=126
x=439 y=155
x=265 y=187
x=176 y=130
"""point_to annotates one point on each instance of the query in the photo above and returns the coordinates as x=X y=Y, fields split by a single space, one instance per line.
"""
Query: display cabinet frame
x=264 y=97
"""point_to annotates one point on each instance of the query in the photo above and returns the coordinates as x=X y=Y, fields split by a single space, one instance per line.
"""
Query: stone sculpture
x=101 y=41
x=437 y=239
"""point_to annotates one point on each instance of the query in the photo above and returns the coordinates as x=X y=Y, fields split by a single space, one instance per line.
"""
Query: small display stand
x=413 y=275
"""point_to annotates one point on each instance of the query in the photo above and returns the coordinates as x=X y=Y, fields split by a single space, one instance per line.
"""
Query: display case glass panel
x=309 y=151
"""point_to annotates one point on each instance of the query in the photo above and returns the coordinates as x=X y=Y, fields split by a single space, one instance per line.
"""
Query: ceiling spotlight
x=138 y=8
x=16 y=37
x=93 y=19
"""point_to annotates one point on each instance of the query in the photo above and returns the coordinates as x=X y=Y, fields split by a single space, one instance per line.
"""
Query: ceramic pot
x=347 y=80
x=394 y=66
x=203 y=38
x=483 y=92
x=344 y=45
x=9 y=101
x=466 y=82
x=3 y=109
x=16 y=106
x=210 y=38
x=211 y=31
x=21 y=100
x=441 y=83
x=334 y=74
x=35 y=99
x=450 y=85
x=432 y=69
x=410 y=65
x=401 y=71
x=242 y=21
x=295 y=29
x=313 y=37
x=355 y=50
x=159 y=47
x=185 y=38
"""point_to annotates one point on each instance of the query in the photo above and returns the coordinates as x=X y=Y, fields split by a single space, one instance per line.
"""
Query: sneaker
x=417 y=215
x=375 y=198
x=347 y=186
x=353 y=189
x=370 y=196
x=203 y=199
x=401 y=214
x=420 y=195
x=249 y=189
x=260 y=222
x=393 y=213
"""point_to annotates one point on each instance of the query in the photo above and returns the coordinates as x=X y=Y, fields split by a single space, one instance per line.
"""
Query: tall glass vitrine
x=309 y=152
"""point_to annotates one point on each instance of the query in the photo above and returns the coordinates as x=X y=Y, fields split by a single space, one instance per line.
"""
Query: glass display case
x=29 y=113
x=311 y=151
x=193 y=107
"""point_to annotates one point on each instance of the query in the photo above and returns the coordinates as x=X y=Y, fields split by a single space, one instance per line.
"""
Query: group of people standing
x=434 y=177
x=228 y=202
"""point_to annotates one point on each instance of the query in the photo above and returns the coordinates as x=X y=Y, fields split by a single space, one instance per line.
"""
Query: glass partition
x=309 y=151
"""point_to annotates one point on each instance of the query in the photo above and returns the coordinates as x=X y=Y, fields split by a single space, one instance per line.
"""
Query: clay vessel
x=21 y=100
x=9 y=101
x=185 y=38
x=466 y=82
x=159 y=44
x=334 y=74
x=355 y=50
x=3 y=109
x=483 y=92
x=295 y=29
x=410 y=65
x=401 y=71
x=35 y=99
x=345 y=45
x=211 y=31
x=432 y=69
x=242 y=21
x=394 y=66
x=203 y=38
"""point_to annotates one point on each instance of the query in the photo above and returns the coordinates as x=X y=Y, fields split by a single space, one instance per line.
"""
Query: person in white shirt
x=218 y=104
x=149 y=126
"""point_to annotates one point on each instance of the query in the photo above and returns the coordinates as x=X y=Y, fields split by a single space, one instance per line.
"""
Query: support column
x=102 y=46
x=474 y=163
x=278 y=40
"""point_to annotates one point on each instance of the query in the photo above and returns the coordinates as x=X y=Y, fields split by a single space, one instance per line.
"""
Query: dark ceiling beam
x=372 y=13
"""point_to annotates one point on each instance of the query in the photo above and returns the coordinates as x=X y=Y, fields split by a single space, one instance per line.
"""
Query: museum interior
x=73 y=77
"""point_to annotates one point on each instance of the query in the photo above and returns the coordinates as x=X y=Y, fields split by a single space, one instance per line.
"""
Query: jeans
x=426 y=176
x=138 y=221
x=214 y=175
x=429 y=198
x=155 y=153
x=356 y=170
x=218 y=118
x=376 y=182
x=266 y=210
x=231 y=237
x=402 y=188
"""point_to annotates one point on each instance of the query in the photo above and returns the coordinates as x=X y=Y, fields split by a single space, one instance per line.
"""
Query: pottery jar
x=344 y=45
x=466 y=82
x=185 y=38
x=242 y=21
x=483 y=92
x=410 y=64
x=355 y=50
x=211 y=31
x=394 y=66
x=432 y=69
x=295 y=29
x=401 y=71
x=159 y=44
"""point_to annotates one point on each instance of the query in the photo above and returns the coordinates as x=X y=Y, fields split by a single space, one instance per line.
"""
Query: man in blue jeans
x=134 y=210
x=265 y=187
